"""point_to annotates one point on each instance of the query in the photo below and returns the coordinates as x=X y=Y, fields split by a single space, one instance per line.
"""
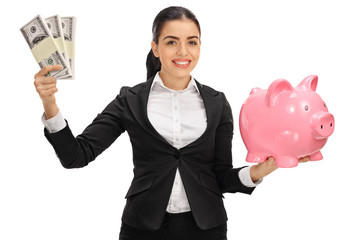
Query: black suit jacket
x=205 y=165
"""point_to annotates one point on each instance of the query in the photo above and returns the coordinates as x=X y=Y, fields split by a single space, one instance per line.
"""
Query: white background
x=245 y=44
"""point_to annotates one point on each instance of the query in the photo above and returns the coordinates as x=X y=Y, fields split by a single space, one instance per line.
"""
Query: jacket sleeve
x=76 y=152
x=227 y=176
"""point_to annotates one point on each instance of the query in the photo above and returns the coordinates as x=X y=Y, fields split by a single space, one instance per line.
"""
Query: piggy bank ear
x=310 y=83
x=254 y=90
x=277 y=87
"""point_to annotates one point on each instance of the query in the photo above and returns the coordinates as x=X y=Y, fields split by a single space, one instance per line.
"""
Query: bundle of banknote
x=52 y=41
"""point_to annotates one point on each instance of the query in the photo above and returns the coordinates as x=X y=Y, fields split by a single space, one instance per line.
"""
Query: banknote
x=69 y=29
x=43 y=46
x=55 y=27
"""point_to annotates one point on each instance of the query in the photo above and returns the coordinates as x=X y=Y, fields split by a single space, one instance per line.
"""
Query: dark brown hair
x=153 y=64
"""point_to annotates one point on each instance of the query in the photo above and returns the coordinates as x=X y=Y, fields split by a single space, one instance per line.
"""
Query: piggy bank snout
x=323 y=125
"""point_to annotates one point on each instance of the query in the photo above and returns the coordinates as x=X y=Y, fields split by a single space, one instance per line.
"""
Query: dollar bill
x=54 y=59
x=43 y=46
x=55 y=27
x=69 y=29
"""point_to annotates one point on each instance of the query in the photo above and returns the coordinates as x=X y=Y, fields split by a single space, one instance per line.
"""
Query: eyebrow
x=177 y=38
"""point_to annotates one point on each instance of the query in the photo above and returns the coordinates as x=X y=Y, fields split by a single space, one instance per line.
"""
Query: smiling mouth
x=182 y=63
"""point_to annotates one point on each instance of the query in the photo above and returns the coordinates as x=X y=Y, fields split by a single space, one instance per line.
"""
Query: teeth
x=182 y=63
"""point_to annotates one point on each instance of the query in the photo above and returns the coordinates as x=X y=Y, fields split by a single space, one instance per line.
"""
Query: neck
x=174 y=83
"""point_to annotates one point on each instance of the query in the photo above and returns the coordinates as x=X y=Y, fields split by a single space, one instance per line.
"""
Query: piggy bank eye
x=306 y=108
x=325 y=105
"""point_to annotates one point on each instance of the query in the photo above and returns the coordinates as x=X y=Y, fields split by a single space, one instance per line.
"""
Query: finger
x=44 y=80
x=43 y=71
x=270 y=161
x=304 y=159
x=45 y=87
x=49 y=92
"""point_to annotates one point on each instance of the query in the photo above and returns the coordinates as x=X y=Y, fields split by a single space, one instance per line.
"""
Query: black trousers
x=179 y=226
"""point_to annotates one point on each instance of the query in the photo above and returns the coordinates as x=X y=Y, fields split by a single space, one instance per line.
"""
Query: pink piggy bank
x=285 y=122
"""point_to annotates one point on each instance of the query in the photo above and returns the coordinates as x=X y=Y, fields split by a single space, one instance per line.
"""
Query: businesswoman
x=180 y=131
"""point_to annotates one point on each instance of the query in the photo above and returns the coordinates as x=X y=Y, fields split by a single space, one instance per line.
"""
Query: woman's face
x=178 y=48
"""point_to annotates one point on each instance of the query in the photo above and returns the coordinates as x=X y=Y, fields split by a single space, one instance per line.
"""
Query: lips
x=182 y=63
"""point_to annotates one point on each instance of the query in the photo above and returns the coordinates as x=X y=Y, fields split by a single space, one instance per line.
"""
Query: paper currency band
x=44 y=49
x=60 y=42
x=70 y=48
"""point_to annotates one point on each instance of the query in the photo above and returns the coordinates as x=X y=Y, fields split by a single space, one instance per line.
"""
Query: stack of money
x=52 y=41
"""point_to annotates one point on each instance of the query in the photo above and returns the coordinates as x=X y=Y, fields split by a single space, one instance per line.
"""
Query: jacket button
x=177 y=155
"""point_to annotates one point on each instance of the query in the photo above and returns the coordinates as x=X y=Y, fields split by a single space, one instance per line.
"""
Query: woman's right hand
x=46 y=87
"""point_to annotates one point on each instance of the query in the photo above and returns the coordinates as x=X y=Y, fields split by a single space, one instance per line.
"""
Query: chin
x=182 y=72
x=182 y=76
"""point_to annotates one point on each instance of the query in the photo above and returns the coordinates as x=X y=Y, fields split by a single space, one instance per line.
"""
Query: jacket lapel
x=138 y=99
x=213 y=105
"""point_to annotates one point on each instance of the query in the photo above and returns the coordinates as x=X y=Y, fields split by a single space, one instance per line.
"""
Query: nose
x=322 y=125
x=182 y=50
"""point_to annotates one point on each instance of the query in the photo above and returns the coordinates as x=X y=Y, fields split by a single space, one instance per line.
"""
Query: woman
x=181 y=133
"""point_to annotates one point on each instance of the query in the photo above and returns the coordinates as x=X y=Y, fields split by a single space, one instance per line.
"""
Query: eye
x=193 y=43
x=171 y=43
x=306 y=107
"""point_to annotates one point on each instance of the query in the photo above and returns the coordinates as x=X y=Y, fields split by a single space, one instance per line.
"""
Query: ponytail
x=153 y=65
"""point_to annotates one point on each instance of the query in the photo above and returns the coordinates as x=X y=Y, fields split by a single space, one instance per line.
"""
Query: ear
x=277 y=87
x=154 y=49
x=254 y=90
x=310 y=82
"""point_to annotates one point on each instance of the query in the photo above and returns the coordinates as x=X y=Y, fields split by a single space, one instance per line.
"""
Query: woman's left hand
x=263 y=169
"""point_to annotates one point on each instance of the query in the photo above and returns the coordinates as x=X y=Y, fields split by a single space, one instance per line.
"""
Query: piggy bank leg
x=255 y=158
x=316 y=156
x=286 y=162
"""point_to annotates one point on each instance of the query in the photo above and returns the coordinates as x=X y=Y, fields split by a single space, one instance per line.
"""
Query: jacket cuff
x=59 y=137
